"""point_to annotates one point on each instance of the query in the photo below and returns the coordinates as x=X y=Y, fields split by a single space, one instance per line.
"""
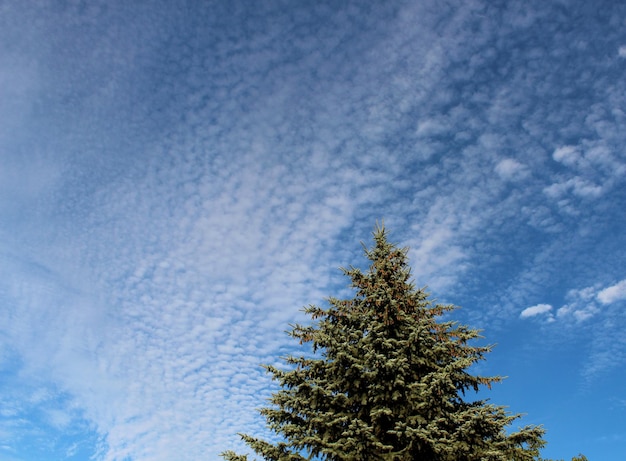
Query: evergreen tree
x=387 y=380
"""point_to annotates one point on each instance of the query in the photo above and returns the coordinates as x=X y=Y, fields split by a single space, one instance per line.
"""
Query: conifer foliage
x=388 y=379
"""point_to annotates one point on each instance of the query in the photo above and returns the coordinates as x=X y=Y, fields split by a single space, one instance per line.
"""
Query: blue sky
x=177 y=179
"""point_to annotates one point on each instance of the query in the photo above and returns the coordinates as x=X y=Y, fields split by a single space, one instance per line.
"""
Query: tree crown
x=388 y=380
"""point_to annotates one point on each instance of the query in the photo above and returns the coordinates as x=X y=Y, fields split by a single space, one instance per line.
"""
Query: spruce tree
x=387 y=379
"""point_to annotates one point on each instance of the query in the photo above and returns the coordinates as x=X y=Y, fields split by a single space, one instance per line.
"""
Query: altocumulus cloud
x=582 y=303
x=176 y=181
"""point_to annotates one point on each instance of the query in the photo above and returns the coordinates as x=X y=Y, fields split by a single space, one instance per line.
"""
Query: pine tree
x=387 y=380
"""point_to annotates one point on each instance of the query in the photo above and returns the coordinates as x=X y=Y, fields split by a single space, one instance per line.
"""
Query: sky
x=178 y=179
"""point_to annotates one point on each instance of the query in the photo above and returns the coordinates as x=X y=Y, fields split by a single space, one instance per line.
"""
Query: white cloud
x=594 y=169
x=536 y=310
x=613 y=293
x=510 y=169
x=577 y=186
x=582 y=304
x=585 y=294
x=584 y=188
x=555 y=190
x=431 y=127
x=584 y=314
x=568 y=155
x=563 y=311
x=621 y=52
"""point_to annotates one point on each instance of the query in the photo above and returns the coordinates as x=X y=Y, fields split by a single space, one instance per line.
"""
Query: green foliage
x=388 y=381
